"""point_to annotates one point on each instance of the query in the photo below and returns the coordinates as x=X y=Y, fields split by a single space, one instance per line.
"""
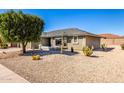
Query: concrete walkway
x=8 y=76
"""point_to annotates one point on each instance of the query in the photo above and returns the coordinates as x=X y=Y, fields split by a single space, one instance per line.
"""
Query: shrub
x=4 y=46
x=33 y=58
x=103 y=46
x=87 y=51
x=36 y=57
x=122 y=46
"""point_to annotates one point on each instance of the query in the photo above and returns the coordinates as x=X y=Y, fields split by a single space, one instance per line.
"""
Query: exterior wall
x=27 y=47
x=13 y=44
x=93 y=41
x=35 y=45
x=53 y=42
x=82 y=41
x=45 y=41
x=31 y=45
x=112 y=41
x=9 y=44
x=19 y=45
x=77 y=46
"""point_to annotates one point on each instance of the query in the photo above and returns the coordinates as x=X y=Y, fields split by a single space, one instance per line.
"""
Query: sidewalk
x=8 y=76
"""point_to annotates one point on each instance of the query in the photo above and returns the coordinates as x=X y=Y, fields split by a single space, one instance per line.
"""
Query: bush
x=87 y=51
x=103 y=46
x=36 y=57
x=122 y=46
x=4 y=46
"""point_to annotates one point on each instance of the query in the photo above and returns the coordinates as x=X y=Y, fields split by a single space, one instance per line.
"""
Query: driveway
x=8 y=76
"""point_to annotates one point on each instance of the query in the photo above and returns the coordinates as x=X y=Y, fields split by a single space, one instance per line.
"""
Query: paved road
x=7 y=76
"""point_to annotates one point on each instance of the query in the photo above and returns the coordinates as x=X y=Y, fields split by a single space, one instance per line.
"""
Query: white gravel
x=101 y=67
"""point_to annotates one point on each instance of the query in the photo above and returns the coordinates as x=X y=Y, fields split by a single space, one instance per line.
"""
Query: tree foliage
x=15 y=26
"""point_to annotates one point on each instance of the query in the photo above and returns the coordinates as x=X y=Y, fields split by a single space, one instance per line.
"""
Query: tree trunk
x=23 y=48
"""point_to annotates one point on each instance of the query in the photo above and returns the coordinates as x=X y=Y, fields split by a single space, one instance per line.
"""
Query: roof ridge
x=110 y=34
x=63 y=29
x=69 y=32
x=74 y=28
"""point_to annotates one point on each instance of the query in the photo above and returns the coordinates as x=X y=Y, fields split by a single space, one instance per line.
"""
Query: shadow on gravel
x=45 y=52
x=106 y=50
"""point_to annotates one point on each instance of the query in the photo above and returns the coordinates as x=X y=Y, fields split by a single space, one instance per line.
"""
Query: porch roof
x=68 y=32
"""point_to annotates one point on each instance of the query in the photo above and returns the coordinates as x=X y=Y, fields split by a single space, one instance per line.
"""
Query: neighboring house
x=111 y=39
x=72 y=37
x=19 y=45
x=30 y=45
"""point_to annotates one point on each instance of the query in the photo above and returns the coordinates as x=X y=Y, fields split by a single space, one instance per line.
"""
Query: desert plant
x=4 y=46
x=87 y=51
x=36 y=57
x=103 y=46
x=122 y=46
x=33 y=58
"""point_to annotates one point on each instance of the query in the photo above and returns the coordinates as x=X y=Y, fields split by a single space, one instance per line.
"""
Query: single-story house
x=71 y=37
x=111 y=39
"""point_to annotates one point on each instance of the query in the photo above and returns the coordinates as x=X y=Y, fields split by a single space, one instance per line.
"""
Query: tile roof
x=110 y=36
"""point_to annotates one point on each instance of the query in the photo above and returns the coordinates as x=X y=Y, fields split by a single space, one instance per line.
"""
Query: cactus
x=87 y=51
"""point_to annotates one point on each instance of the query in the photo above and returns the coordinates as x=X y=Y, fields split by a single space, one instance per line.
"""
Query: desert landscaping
x=69 y=67
x=30 y=53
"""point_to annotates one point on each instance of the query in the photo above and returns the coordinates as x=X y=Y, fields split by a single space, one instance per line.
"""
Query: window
x=58 y=41
x=75 y=39
x=69 y=40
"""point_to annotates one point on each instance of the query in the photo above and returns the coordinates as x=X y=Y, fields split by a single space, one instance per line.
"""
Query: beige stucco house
x=111 y=39
x=72 y=37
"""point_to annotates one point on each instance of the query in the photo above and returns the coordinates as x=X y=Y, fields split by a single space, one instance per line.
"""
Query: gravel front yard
x=102 y=67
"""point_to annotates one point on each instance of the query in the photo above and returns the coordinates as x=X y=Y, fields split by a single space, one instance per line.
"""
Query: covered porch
x=54 y=42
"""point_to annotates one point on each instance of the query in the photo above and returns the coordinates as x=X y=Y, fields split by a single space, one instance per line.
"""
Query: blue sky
x=95 y=21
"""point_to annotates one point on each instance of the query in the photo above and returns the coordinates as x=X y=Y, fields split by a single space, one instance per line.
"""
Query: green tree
x=15 y=26
x=1 y=40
